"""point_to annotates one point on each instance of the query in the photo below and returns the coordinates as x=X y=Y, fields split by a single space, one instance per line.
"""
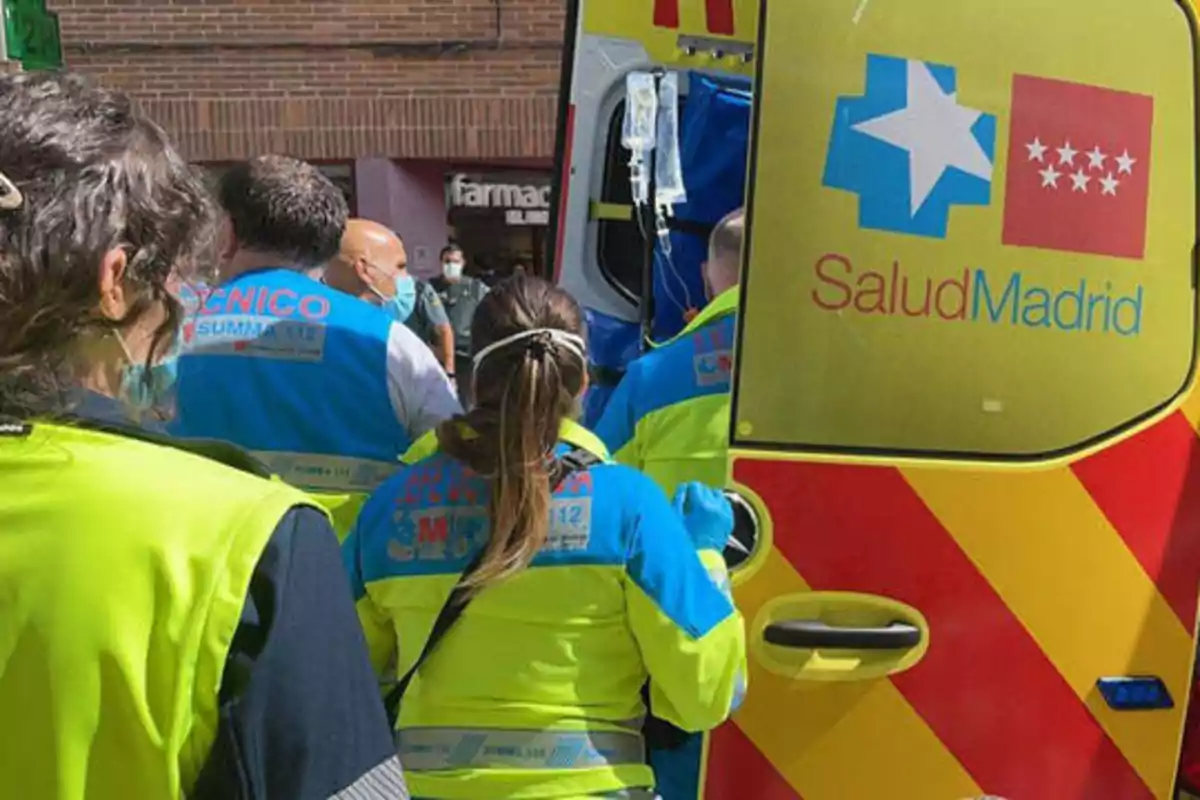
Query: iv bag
x=668 y=169
x=641 y=110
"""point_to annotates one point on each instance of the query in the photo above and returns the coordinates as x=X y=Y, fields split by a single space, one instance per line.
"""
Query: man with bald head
x=683 y=383
x=326 y=391
x=372 y=265
x=669 y=417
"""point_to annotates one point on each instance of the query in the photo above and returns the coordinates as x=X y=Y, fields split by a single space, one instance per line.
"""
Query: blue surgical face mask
x=142 y=392
x=401 y=304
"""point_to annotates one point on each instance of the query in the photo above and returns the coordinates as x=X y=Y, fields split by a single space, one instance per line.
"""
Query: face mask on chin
x=143 y=390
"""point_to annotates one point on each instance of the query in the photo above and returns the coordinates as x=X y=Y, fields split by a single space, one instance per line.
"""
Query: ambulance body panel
x=964 y=407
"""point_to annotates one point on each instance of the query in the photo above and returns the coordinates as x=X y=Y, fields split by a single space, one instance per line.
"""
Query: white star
x=1050 y=176
x=1080 y=182
x=1109 y=184
x=1125 y=163
x=936 y=132
x=1096 y=158
x=1066 y=154
x=1036 y=150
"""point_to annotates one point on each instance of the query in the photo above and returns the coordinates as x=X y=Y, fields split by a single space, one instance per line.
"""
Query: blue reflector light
x=1135 y=693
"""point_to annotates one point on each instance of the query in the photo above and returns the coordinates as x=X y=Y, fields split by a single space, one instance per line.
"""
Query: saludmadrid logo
x=977 y=295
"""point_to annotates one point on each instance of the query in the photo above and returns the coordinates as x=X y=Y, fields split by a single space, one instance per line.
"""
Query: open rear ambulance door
x=598 y=246
x=963 y=401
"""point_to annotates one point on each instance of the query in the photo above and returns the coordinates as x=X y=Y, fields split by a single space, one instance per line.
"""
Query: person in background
x=582 y=580
x=372 y=265
x=484 y=269
x=461 y=294
x=327 y=391
x=669 y=417
x=175 y=624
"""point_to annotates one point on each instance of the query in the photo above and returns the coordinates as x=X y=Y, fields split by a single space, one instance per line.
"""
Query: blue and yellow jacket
x=536 y=691
x=669 y=416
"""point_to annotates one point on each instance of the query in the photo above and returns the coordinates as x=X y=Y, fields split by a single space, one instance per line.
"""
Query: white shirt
x=421 y=393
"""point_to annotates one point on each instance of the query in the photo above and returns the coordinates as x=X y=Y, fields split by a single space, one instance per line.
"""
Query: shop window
x=499 y=219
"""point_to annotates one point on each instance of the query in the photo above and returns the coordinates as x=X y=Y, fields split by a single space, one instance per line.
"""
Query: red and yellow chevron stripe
x=1035 y=582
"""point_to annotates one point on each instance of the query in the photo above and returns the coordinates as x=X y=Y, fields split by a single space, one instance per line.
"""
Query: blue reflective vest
x=295 y=372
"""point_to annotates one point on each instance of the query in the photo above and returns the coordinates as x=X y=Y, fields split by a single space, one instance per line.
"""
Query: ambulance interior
x=711 y=146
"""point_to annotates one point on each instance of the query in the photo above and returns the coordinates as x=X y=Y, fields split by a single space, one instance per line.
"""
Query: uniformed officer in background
x=461 y=294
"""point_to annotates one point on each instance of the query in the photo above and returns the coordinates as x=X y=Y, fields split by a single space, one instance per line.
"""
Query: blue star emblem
x=909 y=150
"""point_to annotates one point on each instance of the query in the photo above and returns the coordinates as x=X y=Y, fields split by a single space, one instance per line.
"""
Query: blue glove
x=707 y=515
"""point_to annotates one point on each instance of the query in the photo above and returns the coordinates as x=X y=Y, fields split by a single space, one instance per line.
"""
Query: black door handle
x=813 y=634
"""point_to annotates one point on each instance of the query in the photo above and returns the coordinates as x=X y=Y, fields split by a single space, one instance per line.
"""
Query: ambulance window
x=965 y=257
x=620 y=246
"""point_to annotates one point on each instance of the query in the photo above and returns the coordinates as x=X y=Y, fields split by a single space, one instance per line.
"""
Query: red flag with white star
x=1078 y=175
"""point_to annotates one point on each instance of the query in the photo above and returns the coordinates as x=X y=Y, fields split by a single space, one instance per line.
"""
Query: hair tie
x=539 y=346
x=10 y=196
x=538 y=342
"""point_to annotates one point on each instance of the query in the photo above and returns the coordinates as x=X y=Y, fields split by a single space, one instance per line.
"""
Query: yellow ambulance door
x=962 y=408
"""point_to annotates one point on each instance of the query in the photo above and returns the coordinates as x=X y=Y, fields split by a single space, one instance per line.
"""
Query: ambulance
x=964 y=411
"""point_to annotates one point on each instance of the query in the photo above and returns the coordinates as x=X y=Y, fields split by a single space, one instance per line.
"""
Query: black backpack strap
x=452 y=609
x=576 y=460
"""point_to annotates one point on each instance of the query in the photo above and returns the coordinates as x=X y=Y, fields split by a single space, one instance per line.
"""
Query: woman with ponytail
x=520 y=588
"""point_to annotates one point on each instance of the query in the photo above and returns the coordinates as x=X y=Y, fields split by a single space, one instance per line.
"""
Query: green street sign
x=31 y=34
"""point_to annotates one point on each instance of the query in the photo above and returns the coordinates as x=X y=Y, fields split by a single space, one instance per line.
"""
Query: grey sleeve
x=431 y=306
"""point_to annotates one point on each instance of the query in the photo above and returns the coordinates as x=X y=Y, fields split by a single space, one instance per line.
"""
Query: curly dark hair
x=284 y=207
x=94 y=174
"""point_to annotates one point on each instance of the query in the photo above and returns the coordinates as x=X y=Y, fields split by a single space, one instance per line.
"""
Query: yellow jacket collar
x=722 y=305
x=570 y=432
x=575 y=434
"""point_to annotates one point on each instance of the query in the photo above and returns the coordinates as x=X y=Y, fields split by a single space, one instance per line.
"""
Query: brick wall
x=331 y=78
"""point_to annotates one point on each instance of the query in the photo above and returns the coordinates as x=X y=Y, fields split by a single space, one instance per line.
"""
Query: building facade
x=398 y=101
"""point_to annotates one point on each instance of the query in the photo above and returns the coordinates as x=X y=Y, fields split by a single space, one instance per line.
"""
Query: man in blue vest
x=326 y=390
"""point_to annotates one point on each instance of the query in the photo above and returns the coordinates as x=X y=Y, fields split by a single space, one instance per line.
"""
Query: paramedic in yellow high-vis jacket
x=669 y=417
x=173 y=623
x=589 y=583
